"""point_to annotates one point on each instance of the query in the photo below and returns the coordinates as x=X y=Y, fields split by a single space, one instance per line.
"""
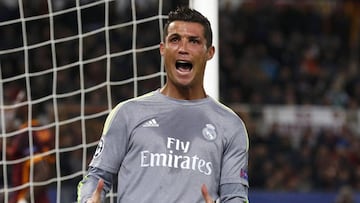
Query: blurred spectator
x=43 y=165
x=345 y=195
x=30 y=145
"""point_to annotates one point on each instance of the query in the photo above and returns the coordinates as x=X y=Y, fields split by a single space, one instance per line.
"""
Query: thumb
x=96 y=197
x=206 y=194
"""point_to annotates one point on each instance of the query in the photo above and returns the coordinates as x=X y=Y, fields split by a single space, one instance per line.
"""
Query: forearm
x=88 y=185
x=234 y=193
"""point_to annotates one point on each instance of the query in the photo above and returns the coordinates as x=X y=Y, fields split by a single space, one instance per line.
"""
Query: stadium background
x=297 y=59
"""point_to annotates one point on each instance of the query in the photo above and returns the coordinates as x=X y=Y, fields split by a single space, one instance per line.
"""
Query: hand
x=96 y=197
x=206 y=194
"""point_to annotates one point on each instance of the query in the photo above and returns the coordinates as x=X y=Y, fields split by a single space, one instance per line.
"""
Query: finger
x=96 y=197
x=206 y=194
x=99 y=187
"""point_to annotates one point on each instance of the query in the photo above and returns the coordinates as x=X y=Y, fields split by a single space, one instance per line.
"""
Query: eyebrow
x=188 y=37
x=194 y=37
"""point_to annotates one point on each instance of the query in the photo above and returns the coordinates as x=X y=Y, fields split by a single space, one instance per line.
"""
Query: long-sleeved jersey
x=164 y=149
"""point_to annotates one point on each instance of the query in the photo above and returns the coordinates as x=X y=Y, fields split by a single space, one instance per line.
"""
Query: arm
x=234 y=193
x=94 y=186
x=109 y=154
x=96 y=196
x=234 y=178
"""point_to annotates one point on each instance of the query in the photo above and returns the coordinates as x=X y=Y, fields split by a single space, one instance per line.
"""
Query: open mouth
x=183 y=65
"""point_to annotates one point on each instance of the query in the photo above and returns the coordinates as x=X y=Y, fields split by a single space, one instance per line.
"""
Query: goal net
x=63 y=65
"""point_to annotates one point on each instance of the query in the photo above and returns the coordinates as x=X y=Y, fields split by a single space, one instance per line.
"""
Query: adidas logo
x=151 y=123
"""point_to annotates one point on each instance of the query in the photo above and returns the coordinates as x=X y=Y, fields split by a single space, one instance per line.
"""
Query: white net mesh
x=63 y=65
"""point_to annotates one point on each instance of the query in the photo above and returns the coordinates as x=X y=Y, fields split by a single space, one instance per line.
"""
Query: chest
x=181 y=131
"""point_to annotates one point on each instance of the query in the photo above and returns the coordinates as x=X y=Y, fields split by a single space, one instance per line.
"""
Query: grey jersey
x=164 y=149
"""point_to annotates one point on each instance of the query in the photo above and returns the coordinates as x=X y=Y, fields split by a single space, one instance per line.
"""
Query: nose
x=183 y=47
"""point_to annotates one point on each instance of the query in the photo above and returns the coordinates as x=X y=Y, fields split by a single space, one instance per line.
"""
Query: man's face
x=185 y=54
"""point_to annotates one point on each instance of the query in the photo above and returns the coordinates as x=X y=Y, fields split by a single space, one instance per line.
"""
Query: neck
x=185 y=93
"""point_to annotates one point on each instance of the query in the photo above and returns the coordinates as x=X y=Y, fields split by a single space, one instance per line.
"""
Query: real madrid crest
x=209 y=132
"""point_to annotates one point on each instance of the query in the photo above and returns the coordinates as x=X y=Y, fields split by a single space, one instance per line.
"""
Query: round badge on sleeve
x=99 y=148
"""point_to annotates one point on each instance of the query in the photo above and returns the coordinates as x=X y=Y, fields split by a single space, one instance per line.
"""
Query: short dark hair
x=190 y=15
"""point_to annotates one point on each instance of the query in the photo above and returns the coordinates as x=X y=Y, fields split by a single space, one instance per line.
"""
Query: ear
x=210 y=52
x=162 y=48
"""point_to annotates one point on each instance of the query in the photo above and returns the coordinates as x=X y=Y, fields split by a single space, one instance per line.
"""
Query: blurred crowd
x=295 y=54
x=272 y=52
x=291 y=53
x=321 y=160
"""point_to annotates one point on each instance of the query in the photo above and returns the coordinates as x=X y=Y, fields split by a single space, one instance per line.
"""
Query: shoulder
x=225 y=112
x=231 y=123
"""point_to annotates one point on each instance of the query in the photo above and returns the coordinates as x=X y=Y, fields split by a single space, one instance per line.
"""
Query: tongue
x=184 y=68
